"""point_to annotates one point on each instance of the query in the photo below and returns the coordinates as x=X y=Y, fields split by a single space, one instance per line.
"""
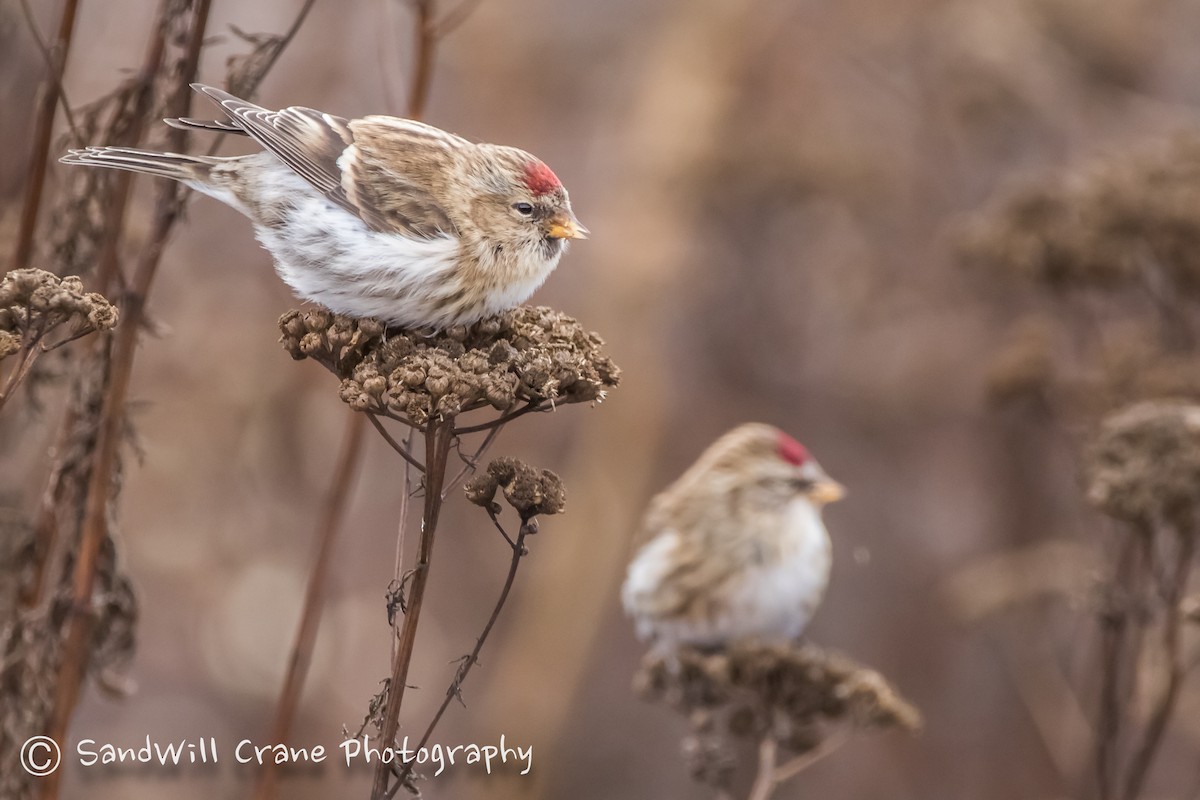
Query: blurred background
x=773 y=189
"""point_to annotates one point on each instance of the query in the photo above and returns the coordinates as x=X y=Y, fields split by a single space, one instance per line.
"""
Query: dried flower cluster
x=1114 y=224
x=1145 y=463
x=528 y=356
x=34 y=302
x=755 y=691
x=529 y=490
x=1123 y=233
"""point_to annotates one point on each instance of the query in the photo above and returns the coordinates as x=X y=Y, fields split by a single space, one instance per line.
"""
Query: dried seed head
x=528 y=490
x=785 y=691
x=34 y=302
x=1145 y=464
x=528 y=355
x=1102 y=226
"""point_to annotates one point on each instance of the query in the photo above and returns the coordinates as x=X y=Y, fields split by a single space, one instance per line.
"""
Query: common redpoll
x=736 y=547
x=380 y=216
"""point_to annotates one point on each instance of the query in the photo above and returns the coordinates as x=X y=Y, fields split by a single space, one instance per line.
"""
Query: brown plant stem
x=472 y=461
x=439 y=438
x=1143 y=757
x=25 y=359
x=392 y=443
x=499 y=421
x=464 y=668
x=94 y=528
x=42 y=133
x=771 y=774
x=1115 y=621
x=314 y=597
x=425 y=36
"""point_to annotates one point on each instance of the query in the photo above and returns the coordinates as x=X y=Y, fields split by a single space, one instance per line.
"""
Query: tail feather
x=189 y=169
x=191 y=123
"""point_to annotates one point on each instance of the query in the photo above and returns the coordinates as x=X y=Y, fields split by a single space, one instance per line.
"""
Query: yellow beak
x=565 y=226
x=826 y=491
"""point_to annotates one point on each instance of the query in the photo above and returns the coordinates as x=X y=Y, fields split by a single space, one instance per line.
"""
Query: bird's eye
x=802 y=484
x=524 y=209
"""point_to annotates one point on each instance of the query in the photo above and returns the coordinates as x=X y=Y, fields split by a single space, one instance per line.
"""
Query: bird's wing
x=312 y=143
x=220 y=125
x=399 y=164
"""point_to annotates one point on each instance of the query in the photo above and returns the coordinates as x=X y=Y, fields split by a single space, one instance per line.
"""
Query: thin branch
x=252 y=87
x=771 y=774
x=399 y=448
x=472 y=462
x=283 y=43
x=790 y=769
x=502 y=420
x=1115 y=625
x=455 y=688
x=764 y=783
x=1144 y=757
x=438 y=441
x=42 y=133
x=402 y=529
x=314 y=597
x=28 y=355
x=455 y=17
x=53 y=69
x=424 y=48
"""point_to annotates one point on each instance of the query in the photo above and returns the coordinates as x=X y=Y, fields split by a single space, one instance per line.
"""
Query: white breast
x=772 y=598
x=778 y=600
x=328 y=255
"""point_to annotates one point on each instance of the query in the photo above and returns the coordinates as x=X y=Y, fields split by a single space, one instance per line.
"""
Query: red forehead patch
x=792 y=451
x=540 y=179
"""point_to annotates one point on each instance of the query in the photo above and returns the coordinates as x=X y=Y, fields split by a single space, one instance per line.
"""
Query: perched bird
x=736 y=547
x=380 y=216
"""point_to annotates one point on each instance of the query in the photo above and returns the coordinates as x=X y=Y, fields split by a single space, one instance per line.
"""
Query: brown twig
x=288 y=36
x=401 y=530
x=94 y=528
x=439 y=438
x=425 y=36
x=455 y=17
x=1176 y=589
x=53 y=70
x=42 y=133
x=460 y=676
x=399 y=448
x=472 y=461
x=1115 y=625
x=314 y=597
x=772 y=774
x=502 y=420
x=25 y=360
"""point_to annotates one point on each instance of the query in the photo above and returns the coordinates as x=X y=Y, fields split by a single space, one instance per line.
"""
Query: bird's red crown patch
x=792 y=451
x=540 y=179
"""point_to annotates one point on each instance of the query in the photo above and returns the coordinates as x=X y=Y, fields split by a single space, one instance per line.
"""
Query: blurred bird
x=380 y=216
x=736 y=547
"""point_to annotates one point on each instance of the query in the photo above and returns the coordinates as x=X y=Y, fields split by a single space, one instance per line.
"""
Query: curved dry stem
x=399 y=448
x=472 y=461
x=455 y=688
x=1164 y=709
x=502 y=420
x=771 y=774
